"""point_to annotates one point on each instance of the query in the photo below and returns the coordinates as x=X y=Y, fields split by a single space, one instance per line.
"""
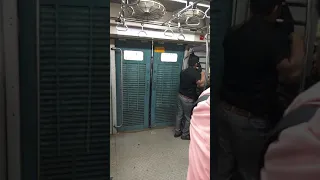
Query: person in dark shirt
x=257 y=55
x=190 y=78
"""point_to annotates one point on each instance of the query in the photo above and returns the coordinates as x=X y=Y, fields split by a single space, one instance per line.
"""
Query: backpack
x=300 y=115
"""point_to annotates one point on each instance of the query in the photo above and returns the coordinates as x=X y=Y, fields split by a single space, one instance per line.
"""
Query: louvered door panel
x=74 y=90
x=133 y=112
x=167 y=82
x=165 y=85
x=133 y=94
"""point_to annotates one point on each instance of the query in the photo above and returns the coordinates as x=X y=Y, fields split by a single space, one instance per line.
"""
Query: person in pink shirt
x=199 y=149
x=295 y=154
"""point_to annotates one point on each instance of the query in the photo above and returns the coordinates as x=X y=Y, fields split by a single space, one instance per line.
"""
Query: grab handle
x=122 y=27
x=191 y=24
x=142 y=33
x=207 y=36
x=181 y=37
x=206 y=13
x=168 y=33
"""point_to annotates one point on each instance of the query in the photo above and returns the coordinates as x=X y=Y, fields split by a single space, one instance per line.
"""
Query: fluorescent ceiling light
x=185 y=2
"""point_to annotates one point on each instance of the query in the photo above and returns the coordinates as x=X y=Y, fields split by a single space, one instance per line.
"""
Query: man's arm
x=201 y=82
x=290 y=69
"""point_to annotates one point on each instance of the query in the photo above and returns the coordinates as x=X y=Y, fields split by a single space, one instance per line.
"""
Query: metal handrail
x=207 y=58
x=121 y=84
x=307 y=44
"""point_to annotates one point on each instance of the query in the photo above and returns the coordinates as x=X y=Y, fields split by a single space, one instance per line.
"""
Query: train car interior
x=150 y=44
x=55 y=105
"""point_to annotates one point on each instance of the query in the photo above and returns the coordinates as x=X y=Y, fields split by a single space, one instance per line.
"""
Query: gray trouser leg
x=179 y=116
x=241 y=140
x=184 y=111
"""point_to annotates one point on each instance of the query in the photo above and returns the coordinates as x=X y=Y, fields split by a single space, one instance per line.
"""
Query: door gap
x=150 y=87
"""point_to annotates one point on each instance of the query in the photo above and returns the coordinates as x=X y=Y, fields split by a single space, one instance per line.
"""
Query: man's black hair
x=193 y=60
x=263 y=7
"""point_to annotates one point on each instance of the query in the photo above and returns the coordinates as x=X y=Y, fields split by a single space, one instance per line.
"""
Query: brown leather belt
x=240 y=112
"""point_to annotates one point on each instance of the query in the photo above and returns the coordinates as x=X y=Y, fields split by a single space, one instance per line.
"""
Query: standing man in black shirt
x=257 y=56
x=190 y=78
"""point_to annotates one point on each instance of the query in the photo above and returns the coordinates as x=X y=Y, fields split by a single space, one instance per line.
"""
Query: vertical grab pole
x=307 y=43
x=207 y=57
x=121 y=84
x=234 y=12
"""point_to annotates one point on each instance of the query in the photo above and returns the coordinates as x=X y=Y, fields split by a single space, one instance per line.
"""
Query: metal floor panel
x=152 y=154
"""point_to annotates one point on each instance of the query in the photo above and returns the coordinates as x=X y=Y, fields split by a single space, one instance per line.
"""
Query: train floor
x=150 y=154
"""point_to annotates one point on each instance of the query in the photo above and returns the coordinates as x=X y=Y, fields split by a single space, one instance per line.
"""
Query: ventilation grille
x=74 y=79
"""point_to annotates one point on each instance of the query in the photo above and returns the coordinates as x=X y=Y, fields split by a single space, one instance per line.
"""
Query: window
x=133 y=55
x=169 y=57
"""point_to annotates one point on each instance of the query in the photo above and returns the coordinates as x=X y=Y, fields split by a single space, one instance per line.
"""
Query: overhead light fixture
x=185 y=2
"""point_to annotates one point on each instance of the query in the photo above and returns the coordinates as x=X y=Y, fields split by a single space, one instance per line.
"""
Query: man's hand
x=298 y=46
x=291 y=69
x=200 y=83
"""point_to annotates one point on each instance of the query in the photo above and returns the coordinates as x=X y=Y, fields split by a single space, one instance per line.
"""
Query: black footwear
x=177 y=133
x=187 y=137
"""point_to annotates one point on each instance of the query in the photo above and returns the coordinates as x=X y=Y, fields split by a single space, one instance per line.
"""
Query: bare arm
x=290 y=69
x=202 y=81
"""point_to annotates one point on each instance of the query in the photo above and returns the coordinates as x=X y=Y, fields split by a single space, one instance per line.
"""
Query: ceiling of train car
x=174 y=5
x=196 y=22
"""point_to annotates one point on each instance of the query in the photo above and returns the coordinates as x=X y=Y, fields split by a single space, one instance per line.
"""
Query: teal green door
x=133 y=112
x=165 y=83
